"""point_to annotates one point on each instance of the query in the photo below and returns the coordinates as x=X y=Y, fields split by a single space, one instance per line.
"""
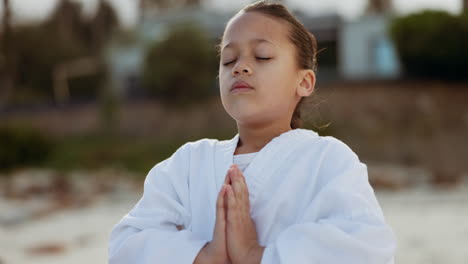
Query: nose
x=241 y=67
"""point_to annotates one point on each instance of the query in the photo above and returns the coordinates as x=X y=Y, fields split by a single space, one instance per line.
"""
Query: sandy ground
x=431 y=226
x=69 y=236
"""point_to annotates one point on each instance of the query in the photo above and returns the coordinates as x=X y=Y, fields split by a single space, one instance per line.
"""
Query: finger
x=220 y=200
x=239 y=191
x=231 y=214
x=241 y=176
x=242 y=198
x=243 y=187
x=227 y=179
x=220 y=224
x=231 y=199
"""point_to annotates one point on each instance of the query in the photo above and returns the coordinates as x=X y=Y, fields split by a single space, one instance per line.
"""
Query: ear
x=307 y=83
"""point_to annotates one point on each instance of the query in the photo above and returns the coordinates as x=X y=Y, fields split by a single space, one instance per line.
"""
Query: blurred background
x=93 y=93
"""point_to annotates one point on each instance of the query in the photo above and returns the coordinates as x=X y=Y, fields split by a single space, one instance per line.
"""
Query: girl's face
x=256 y=49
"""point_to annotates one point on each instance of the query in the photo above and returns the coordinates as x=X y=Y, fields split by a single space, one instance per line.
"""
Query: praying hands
x=234 y=237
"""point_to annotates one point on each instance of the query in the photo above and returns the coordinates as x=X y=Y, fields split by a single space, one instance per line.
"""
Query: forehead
x=253 y=28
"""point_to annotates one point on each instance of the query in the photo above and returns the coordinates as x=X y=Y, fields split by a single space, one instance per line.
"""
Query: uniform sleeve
x=149 y=233
x=342 y=224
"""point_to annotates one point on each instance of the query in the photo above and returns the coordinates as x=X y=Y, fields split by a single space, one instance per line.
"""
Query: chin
x=248 y=119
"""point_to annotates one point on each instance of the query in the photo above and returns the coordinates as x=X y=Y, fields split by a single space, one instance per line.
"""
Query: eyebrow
x=256 y=40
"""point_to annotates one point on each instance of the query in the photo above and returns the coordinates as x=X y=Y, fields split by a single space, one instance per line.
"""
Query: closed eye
x=227 y=63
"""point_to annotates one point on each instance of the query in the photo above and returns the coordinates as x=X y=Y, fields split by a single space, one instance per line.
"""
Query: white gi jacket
x=310 y=199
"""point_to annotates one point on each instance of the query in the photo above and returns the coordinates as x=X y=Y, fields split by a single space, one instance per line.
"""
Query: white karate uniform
x=310 y=199
x=243 y=160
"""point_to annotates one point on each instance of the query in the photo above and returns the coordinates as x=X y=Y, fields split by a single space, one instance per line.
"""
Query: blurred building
x=126 y=58
x=348 y=50
x=326 y=30
x=366 y=50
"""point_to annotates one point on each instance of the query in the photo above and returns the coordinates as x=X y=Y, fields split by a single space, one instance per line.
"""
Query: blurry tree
x=7 y=65
x=69 y=28
x=465 y=5
x=104 y=24
x=432 y=44
x=41 y=47
x=64 y=51
x=94 y=36
x=67 y=22
x=22 y=146
x=181 y=68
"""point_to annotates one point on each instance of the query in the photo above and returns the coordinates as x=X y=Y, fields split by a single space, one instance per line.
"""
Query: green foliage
x=22 y=146
x=108 y=107
x=432 y=44
x=182 y=68
x=95 y=151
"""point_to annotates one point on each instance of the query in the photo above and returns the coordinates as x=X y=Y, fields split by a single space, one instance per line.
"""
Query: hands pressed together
x=234 y=236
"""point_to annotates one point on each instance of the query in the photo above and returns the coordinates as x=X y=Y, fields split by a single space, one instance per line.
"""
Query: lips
x=241 y=85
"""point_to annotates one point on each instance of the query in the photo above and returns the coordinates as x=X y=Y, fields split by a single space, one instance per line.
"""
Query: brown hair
x=303 y=40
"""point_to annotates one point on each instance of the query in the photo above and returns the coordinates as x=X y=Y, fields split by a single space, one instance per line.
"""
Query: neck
x=253 y=139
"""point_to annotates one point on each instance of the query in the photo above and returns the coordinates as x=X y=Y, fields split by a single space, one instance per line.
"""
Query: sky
x=33 y=10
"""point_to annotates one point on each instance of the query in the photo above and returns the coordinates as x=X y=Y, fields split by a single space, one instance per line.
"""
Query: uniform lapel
x=264 y=164
x=223 y=158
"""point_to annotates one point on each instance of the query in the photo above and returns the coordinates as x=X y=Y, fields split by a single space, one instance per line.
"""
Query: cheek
x=279 y=86
x=223 y=83
x=224 y=78
x=278 y=96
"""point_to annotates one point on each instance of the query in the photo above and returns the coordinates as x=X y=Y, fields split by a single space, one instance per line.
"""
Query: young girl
x=275 y=192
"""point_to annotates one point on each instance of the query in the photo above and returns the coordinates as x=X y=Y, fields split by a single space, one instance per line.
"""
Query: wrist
x=203 y=256
x=207 y=255
x=255 y=255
